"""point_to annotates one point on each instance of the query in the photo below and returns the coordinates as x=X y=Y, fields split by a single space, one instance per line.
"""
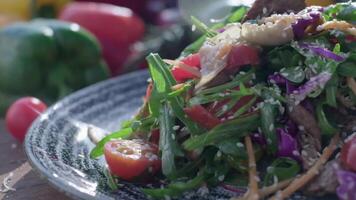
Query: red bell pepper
x=182 y=75
x=115 y=27
x=202 y=116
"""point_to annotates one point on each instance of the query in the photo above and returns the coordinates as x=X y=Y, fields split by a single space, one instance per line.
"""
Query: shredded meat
x=309 y=153
x=306 y=121
x=326 y=182
x=264 y=8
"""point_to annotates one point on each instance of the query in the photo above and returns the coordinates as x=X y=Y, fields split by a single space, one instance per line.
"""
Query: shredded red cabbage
x=287 y=145
x=347 y=187
x=301 y=24
x=278 y=79
x=317 y=82
x=259 y=139
x=291 y=128
x=326 y=53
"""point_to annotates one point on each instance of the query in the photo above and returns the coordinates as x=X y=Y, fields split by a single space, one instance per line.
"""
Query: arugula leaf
x=237 y=15
x=245 y=107
x=202 y=27
x=167 y=143
x=347 y=69
x=175 y=189
x=163 y=82
x=326 y=128
x=99 y=148
x=203 y=99
x=240 y=78
x=282 y=169
x=331 y=90
x=235 y=128
x=268 y=115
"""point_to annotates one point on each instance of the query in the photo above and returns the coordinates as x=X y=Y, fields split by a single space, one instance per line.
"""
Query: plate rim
x=46 y=175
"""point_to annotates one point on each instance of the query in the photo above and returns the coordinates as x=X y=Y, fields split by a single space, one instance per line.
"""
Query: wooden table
x=27 y=183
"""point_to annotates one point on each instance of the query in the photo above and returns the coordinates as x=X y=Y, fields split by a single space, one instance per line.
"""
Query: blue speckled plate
x=58 y=147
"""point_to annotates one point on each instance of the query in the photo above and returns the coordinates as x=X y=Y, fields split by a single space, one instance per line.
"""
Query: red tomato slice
x=348 y=154
x=242 y=55
x=129 y=159
x=202 y=116
x=182 y=75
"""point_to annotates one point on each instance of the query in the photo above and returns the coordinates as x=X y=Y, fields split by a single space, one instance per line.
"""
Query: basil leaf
x=347 y=69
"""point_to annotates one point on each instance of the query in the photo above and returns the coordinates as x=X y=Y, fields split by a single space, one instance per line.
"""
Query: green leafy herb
x=282 y=169
x=175 y=189
x=245 y=107
x=293 y=74
x=331 y=90
x=163 y=82
x=240 y=78
x=237 y=15
x=326 y=128
x=268 y=115
x=167 y=143
x=236 y=128
x=99 y=148
x=111 y=181
x=203 y=28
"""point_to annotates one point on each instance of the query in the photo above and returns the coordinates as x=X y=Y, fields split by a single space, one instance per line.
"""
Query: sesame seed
x=176 y=127
x=221 y=178
x=240 y=145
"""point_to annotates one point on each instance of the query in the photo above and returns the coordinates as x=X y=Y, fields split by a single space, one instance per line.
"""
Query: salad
x=260 y=101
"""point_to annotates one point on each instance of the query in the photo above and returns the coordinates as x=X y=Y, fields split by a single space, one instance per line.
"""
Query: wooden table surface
x=27 y=183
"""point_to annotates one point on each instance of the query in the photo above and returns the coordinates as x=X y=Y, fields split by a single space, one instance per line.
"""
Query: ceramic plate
x=58 y=147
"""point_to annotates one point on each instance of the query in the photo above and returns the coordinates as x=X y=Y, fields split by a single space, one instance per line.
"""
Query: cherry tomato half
x=348 y=154
x=21 y=114
x=129 y=159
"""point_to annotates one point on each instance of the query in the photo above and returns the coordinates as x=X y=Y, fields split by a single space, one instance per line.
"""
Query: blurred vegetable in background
x=115 y=27
x=48 y=59
x=21 y=114
x=23 y=10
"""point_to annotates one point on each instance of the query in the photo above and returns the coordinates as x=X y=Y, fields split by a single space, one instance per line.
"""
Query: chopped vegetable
x=267 y=95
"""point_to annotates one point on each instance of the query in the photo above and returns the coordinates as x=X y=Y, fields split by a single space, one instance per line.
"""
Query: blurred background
x=51 y=48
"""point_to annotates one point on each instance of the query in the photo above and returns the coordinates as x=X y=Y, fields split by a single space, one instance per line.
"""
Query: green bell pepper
x=47 y=59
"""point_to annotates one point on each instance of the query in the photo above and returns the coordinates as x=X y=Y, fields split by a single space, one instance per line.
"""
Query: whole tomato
x=21 y=114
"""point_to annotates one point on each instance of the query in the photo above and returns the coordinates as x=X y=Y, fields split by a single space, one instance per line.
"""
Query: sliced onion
x=347 y=187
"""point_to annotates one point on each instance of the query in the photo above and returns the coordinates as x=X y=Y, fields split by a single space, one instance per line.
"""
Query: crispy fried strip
x=338 y=25
x=266 y=191
x=183 y=66
x=311 y=173
x=253 y=192
x=352 y=84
